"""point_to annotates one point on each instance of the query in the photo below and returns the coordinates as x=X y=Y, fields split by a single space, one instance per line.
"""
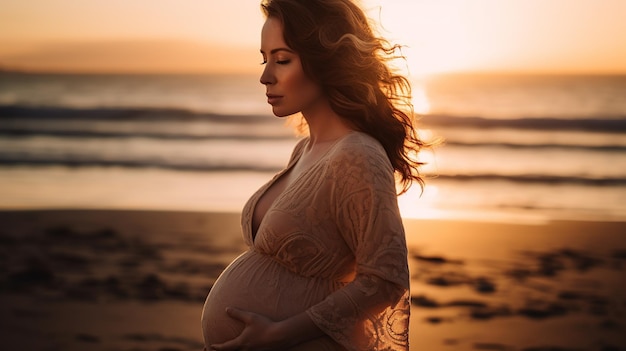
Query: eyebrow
x=279 y=49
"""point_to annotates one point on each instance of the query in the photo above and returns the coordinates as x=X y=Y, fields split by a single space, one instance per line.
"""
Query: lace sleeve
x=372 y=311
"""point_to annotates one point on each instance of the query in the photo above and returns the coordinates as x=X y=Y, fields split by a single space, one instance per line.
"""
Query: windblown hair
x=340 y=52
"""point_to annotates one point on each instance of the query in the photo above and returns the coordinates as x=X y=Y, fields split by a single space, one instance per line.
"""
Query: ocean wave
x=538 y=146
x=182 y=165
x=80 y=163
x=533 y=179
x=237 y=134
x=595 y=124
x=153 y=123
x=609 y=124
x=252 y=134
x=120 y=114
x=240 y=135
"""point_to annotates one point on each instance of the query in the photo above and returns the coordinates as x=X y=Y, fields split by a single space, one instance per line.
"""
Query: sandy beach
x=136 y=280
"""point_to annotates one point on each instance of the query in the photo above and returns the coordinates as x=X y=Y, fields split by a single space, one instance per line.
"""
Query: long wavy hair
x=339 y=51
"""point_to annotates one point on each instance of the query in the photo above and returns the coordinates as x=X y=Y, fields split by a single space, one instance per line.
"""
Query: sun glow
x=420 y=202
x=438 y=36
x=417 y=204
x=516 y=35
x=421 y=104
x=433 y=33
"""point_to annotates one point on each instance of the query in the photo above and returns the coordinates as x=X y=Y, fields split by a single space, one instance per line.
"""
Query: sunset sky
x=547 y=36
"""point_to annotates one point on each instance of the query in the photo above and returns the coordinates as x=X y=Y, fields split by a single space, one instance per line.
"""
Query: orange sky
x=548 y=36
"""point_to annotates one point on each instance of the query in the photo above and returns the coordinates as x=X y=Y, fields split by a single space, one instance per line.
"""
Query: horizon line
x=542 y=72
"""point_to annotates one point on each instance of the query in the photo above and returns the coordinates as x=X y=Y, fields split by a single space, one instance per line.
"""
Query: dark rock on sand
x=619 y=254
x=492 y=346
x=598 y=305
x=70 y=261
x=187 y=343
x=581 y=261
x=571 y=295
x=484 y=285
x=610 y=324
x=151 y=288
x=467 y=303
x=550 y=348
x=88 y=338
x=423 y=301
x=447 y=280
x=550 y=264
x=611 y=348
x=114 y=286
x=486 y=313
x=519 y=274
x=180 y=291
x=87 y=289
x=436 y=259
x=36 y=273
x=434 y=320
x=542 y=310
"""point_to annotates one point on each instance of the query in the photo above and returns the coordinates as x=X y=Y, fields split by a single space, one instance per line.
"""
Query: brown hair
x=339 y=51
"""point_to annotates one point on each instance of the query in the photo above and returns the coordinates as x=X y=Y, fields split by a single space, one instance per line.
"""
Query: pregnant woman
x=326 y=265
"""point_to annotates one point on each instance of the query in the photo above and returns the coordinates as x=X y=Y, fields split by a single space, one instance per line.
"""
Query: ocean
x=515 y=147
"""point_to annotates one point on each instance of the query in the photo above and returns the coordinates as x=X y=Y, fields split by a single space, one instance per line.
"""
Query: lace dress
x=332 y=244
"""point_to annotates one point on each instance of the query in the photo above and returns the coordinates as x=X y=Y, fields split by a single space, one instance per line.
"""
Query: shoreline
x=497 y=219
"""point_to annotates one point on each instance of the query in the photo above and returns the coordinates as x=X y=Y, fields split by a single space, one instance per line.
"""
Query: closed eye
x=280 y=62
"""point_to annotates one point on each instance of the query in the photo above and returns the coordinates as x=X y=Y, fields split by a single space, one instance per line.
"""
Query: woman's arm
x=372 y=312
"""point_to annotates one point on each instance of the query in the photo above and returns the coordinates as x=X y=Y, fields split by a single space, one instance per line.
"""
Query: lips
x=273 y=99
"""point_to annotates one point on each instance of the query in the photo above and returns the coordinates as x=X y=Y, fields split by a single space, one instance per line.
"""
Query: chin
x=282 y=113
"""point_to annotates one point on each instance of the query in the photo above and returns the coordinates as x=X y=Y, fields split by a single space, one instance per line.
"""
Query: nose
x=267 y=77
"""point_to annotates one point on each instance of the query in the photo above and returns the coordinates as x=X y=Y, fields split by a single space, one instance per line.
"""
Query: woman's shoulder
x=359 y=162
x=359 y=149
x=359 y=145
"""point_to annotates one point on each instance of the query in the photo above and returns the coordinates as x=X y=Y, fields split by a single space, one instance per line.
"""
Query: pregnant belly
x=255 y=282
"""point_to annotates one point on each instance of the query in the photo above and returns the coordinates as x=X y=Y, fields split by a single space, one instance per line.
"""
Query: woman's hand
x=260 y=333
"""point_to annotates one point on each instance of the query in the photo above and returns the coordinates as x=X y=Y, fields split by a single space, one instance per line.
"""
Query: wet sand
x=136 y=280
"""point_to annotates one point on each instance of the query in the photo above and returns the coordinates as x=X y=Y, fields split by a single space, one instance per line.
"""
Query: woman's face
x=288 y=89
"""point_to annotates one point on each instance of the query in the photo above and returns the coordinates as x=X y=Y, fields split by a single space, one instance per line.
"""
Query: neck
x=325 y=125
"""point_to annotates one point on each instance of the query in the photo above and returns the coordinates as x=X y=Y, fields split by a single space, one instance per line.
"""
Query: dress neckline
x=264 y=189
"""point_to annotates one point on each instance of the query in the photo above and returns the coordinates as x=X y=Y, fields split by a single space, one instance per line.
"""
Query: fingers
x=231 y=345
x=254 y=332
x=234 y=344
x=241 y=315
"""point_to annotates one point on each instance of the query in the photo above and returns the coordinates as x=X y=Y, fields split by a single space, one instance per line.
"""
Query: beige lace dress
x=332 y=244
